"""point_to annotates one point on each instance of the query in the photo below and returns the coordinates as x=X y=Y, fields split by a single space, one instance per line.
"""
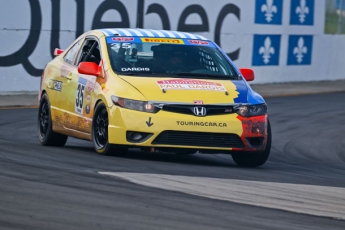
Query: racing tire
x=254 y=159
x=100 y=123
x=46 y=135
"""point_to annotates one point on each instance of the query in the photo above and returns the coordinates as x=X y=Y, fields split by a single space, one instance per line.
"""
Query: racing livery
x=155 y=90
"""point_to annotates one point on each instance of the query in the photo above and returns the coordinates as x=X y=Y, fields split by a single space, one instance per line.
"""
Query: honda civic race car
x=155 y=90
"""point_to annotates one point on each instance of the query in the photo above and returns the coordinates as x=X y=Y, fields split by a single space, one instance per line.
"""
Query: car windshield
x=184 y=58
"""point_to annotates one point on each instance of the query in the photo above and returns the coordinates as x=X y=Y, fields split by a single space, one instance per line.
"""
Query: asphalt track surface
x=74 y=188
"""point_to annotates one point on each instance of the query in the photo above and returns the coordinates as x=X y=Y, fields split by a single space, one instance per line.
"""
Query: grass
x=331 y=23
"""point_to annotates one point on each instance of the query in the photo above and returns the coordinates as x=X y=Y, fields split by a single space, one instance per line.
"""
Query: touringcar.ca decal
x=79 y=97
x=189 y=84
x=196 y=123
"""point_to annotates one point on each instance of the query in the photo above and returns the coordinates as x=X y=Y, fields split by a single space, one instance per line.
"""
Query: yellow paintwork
x=67 y=121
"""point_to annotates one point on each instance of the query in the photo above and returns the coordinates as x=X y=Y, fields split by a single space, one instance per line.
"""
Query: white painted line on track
x=299 y=198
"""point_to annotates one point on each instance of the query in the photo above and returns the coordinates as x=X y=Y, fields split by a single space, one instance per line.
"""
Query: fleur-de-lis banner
x=256 y=33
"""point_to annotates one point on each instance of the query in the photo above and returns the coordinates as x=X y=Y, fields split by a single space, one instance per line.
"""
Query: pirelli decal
x=163 y=40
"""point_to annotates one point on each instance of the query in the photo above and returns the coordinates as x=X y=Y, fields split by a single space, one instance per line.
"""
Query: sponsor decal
x=189 y=84
x=87 y=108
x=57 y=86
x=198 y=102
x=163 y=40
x=198 y=42
x=196 y=123
x=88 y=98
x=122 y=39
x=90 y=86
x=135 y=69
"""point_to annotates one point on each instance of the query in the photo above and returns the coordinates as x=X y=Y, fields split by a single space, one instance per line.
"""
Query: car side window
x=90 y=52
x=70 y=55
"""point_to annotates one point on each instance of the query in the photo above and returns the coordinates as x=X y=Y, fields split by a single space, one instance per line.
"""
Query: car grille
x=221 y=140
x=188 y=109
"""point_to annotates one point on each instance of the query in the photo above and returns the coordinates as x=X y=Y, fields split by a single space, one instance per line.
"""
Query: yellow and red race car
x=154 y=90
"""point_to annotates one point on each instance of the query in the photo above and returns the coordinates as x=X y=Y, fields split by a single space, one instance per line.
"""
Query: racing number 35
x=79 y=98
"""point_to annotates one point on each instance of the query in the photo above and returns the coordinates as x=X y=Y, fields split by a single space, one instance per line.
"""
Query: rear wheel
x=254 y=159
x=100 y=123
x=46 y=135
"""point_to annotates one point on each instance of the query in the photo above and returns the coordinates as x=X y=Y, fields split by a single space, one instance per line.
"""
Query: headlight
x=134 y=104
x=251 y=110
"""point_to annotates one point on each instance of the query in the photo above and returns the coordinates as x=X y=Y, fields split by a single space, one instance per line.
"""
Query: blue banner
x=269 y=12
x=302 y=12
x=266 y=49
x=300 y=49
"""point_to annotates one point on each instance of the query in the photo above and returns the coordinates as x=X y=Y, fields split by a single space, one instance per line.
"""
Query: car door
x=80 y=90
x=60 y=78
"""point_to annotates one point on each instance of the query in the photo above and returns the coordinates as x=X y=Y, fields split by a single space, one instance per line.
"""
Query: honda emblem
x=199 y=111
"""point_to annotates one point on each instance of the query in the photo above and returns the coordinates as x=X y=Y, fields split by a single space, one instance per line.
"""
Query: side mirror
x=58 y=51
x=248 y=74
x=89 y=68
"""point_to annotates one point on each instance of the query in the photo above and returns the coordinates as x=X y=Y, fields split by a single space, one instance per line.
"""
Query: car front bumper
x=173 y=130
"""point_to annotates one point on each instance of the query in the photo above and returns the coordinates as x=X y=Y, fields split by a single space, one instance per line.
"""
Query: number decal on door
x=79 y=97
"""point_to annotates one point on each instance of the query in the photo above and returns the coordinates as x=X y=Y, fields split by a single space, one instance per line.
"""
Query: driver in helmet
x=176 y=61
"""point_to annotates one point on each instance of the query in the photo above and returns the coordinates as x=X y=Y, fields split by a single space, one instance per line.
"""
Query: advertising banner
x=281 y=40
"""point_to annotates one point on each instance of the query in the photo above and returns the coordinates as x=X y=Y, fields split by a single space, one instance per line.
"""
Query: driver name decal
x=188 y=84
x=135 y=69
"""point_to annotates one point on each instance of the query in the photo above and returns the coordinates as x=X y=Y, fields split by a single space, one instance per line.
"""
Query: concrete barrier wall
x=282 y=40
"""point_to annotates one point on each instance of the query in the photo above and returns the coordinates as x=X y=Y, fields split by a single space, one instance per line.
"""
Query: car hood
x=182 y=90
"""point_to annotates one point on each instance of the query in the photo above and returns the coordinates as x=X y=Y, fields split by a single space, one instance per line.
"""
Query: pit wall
x=282 y=40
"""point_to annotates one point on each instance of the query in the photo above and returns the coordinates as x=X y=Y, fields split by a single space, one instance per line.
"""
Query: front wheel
x=46 y=135
x=254 y=159
x=100 y=123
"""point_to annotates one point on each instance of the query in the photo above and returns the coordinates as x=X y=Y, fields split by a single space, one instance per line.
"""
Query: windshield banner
x=188 y=84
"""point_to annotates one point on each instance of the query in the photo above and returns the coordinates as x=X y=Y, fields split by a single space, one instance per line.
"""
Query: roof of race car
x=150 y=33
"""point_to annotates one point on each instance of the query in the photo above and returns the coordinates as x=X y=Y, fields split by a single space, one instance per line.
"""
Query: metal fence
x=335 y=17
